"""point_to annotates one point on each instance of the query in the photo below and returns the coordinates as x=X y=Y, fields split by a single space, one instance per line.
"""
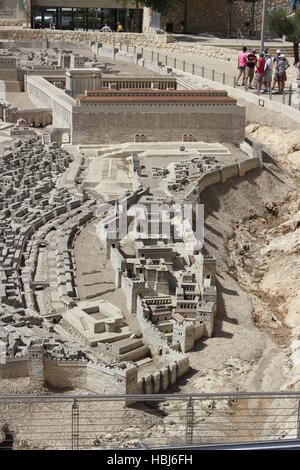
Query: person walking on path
x=283 y=65
x=120 y=28
x=294 y=6
x=106 y=29
x=268 y=73
x=251 y=63
x=276 y=71
x=242 y=63
x=259 y=73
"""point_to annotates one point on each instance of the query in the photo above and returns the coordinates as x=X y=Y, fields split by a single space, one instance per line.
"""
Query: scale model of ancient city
x=149 y=225
x=92 y=130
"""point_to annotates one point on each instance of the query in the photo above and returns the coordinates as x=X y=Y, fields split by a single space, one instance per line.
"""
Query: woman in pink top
x=242 y=63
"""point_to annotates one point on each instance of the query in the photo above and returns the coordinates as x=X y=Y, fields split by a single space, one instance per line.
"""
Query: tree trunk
x=229 y=17
x=185 y=12
x=134 y=17
x=296 y=52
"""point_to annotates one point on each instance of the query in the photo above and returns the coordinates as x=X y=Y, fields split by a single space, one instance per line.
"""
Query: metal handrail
x=80 y=421
x=153 y=397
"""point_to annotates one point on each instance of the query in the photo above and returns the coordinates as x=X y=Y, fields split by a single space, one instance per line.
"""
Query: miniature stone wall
x=161 y=379
x=45 y=95
x=98 y=378
x=33 y=117
x=151 y=334
x=206 y=123
x=36 y=367
x=14 y=367
x=225 y=173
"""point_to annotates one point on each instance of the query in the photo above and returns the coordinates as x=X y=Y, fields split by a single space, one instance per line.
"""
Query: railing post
x=127 y=47
x=75 y=425
x=202 y=71
x=224 y=78
x=290 y=95
x=166 y=60
x=270 y=93
x=193 y=69
x=283 y=97
x=157 y=56
x=183 y=66
x=298 y=423
x=234 y=82
x=152 y=56
x=175 y=63
x=189 y=422
x=213 y=75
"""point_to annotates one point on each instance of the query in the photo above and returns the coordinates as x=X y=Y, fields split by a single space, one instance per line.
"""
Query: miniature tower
x=183 y=334
x=36 y=367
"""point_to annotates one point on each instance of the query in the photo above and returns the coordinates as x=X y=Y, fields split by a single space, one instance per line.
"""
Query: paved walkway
x=208 y=39
x=212 y=68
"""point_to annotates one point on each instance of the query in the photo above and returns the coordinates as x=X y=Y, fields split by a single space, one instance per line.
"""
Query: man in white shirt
x=106 y=29
x=268 y=73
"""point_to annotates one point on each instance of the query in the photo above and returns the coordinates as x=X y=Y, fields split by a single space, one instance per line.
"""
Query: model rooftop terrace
x=105 y=95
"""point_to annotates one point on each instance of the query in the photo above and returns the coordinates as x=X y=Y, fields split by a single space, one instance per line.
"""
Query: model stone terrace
x=81 y=304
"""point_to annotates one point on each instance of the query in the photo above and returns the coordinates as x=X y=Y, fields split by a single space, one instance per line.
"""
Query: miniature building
x=78 y=80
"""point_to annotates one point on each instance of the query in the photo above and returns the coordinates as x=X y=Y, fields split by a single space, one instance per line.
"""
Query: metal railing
x=156 y=421
x=199 y=70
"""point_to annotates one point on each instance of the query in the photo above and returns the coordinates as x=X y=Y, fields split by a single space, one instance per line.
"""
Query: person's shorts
x=282 y=76
x=242 y=67
x=250 y=73
x=258 y=77
x=276 y=76
x=268 y=76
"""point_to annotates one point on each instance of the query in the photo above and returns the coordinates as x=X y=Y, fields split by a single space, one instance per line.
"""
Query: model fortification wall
x=226 y=172
x=31 y=117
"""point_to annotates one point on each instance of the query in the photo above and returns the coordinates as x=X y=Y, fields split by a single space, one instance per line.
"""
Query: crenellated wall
x=225 y=173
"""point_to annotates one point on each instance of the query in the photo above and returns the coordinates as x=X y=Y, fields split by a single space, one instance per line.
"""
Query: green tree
x=161 y=6
x=279 y=23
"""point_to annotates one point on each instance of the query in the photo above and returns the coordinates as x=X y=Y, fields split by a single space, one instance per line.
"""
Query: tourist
x=283 y=65
x=251 y=63
x=294 y=6
x=259 y=74
x=268 y=73
x=106 y=29
x=120 y=28
x=276 y=71
x=242 y=64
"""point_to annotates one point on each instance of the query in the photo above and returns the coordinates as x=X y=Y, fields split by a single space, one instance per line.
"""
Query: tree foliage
x=279 y=23
x=161 y=6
